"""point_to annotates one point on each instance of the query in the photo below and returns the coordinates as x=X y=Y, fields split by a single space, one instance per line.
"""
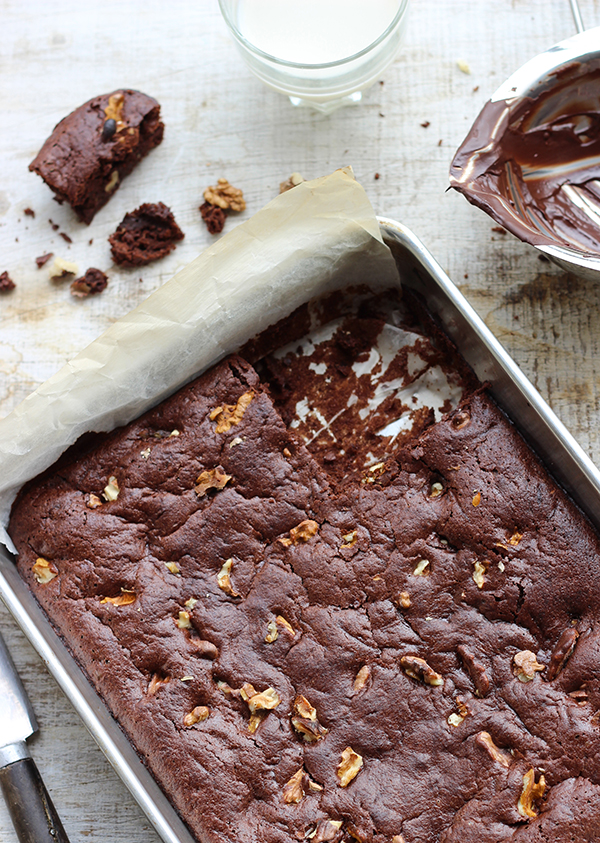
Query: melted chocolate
x=533 y=163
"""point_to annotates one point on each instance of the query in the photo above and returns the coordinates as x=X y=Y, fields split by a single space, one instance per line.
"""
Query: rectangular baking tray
x=558 y=450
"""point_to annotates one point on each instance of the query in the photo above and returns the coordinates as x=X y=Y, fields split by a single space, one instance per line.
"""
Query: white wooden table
x=220 y=121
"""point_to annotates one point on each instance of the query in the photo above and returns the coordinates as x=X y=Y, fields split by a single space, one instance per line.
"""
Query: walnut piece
x=436 y=490
x=111 y=490
x=349 y=767
x=156 y=683
x=224 y=580
x=114 y=109
x=404 y=599
x=214 y=478
x=184 y=620
x=484 y=739
x=305 y=722
x=480 y=569
x=362 y=677
x=476 y=671
x=125 y=598
x=476 y=500
x=93 y=501
x=285 y=625
x=173 y=567
x=229 y=414
x=196 y=715
x=272 y=633
x=562 y=652
x=259 y=703
x=418 y=669
x=349 y=540
x=225 y=196
x=531 y=791
x=61 y=269
x=293 y=181
x=293 y=790
x=44 y=571
x=304 y=531
x=422 y=568
x=526 y=665
x=326 y=831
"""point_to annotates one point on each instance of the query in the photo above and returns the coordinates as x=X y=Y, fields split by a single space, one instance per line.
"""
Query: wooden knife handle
x=32 y=812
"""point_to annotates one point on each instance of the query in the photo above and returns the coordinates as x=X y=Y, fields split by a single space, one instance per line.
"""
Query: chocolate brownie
x=145 y=235
x=91 y=150
x=403 y=652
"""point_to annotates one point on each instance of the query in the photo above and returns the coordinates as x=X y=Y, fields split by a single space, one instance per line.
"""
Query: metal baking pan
x=558 y=450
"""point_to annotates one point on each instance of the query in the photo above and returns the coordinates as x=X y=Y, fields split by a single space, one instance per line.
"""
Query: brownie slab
x=409 y=655
x=91 y=150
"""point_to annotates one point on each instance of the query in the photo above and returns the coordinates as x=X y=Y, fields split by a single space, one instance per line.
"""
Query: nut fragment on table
x=61 y=269
x=293 y=181
x=349 y=767
x=526 y=665
x=225 y=196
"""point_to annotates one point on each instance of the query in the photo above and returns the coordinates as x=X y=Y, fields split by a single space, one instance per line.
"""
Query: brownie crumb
x=54 y=225
x=426 y=124
x=94 y=281
x=145 y=235
x=440 y=142
x=29 y=212
x=377 y=176
x=499 y=230
x=90 y=241
x=213 y=216
x=6 y=283
x=43 y=259
x=65 y=237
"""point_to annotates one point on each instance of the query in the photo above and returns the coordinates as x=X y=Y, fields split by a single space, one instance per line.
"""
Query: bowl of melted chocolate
x=532 y=157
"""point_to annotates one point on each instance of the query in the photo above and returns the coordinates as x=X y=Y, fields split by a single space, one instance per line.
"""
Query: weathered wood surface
x=223 y=122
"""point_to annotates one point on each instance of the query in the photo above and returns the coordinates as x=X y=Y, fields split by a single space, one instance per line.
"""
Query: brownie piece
x=145 y=235
x=93 y=282
x=411 y=657
x=91 y=150
x=6 y=283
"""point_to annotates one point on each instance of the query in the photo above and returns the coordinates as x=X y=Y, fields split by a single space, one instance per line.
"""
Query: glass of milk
x=320 y=53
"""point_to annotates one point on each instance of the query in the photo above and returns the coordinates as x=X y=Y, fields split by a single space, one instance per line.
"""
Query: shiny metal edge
x=554 y=444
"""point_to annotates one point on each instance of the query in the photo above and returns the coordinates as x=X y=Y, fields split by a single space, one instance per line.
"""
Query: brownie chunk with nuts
x=145 y=235
x=402 y=655
x=91 y=150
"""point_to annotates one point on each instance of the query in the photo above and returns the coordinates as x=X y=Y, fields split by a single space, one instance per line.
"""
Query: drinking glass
x=320 y=53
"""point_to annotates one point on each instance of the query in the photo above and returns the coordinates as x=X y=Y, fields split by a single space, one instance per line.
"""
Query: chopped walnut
x=224 y=580
x=349 y=540
x=455 y=719
x=125 y=598
x=531 y=791
x=62 y=269
x=374 y=472
x=436 y=490
x=196 y=715
x=515 y=538
x=580 y=696
x=285 y=625
x=272 y=632
x=237 y=441
x=145 y=453
x=156 y=683
x=526 y=665
x=173 y=567
x=114 y=109
x=484 y=739
x=184 y=620
x=305 y=722
x=326 y=831
x=93 y=501
x=422 y=568
x=398 y=838
x=362 y=677
x=404 y=599
x=562 y=652
x=476 y=671
x=418 y=669
x=214 y=478
x=189 y=604
x=476 y=500
x=304 y=531
x=229 y=414
x=44 y=571
x=293 y=790
x=225 y=196
x=263 y=701
x=293 y=181
x=349 y=767
x=480 y=568
x=461 y=419
x=113 y=182
x=111 y=490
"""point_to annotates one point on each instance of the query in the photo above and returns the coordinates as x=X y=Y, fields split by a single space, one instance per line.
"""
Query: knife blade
x=34 y=816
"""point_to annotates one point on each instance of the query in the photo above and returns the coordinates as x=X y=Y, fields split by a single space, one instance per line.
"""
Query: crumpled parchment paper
x=320 y=236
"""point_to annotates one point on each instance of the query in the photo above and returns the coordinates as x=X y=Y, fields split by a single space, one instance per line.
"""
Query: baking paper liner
x=318 y=237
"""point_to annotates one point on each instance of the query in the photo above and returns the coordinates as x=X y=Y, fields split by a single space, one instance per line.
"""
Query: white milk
x=314 y=31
